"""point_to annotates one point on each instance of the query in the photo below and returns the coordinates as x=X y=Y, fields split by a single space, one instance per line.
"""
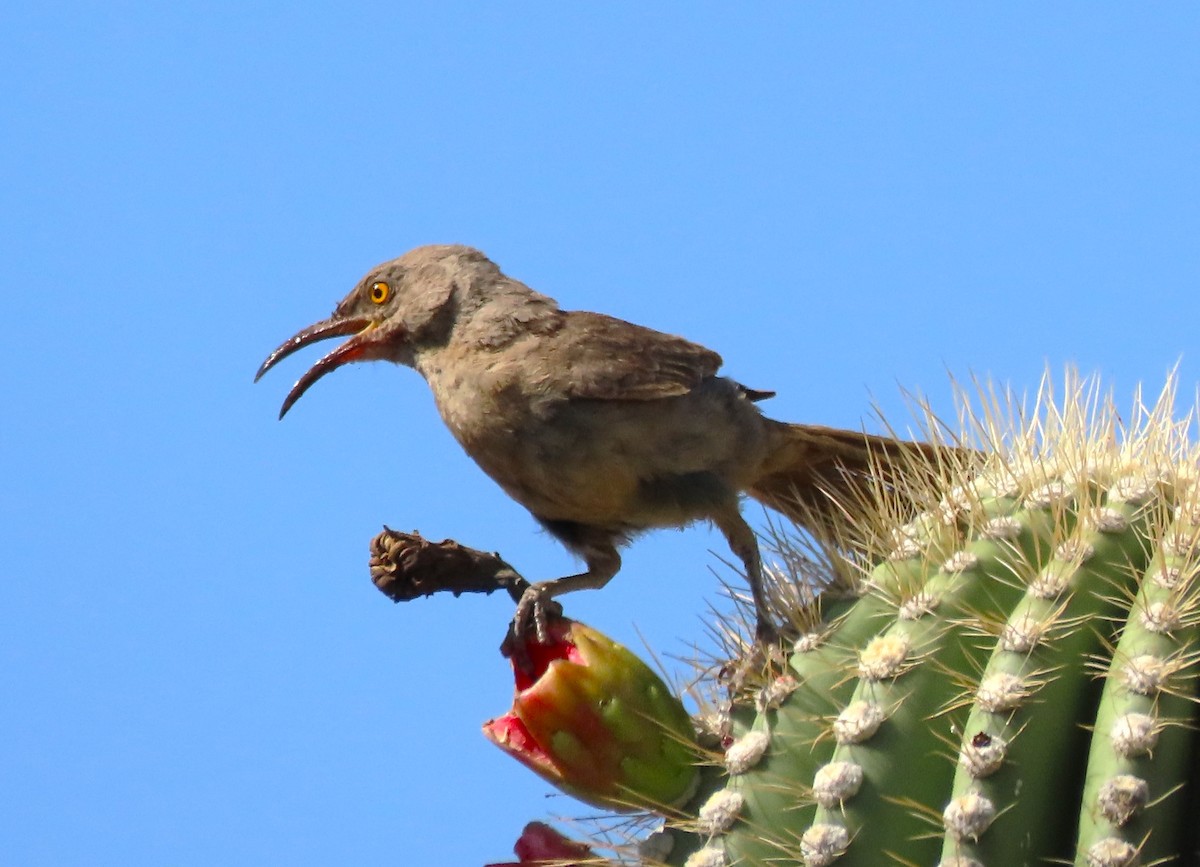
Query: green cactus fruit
x=597 y=722
x=1007 y=678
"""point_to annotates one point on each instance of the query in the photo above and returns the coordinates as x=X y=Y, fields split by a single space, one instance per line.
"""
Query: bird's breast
x=551 y=459
x=619 y=463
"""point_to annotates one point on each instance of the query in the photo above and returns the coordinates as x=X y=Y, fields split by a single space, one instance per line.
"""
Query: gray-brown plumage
x=599 y=427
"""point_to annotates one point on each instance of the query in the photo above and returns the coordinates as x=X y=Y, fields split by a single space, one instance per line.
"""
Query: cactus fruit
x=540 y=844
x=593 y=719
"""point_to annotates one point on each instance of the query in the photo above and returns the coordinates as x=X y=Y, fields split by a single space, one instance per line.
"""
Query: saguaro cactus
x=1006 y=678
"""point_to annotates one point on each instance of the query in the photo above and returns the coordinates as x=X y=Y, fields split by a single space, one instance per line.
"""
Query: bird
x=600 y=428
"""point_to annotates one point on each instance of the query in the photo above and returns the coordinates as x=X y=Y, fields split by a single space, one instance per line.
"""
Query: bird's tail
x=824 y=477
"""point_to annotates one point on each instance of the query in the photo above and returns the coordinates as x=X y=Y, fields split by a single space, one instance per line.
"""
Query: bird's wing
x=601 y=358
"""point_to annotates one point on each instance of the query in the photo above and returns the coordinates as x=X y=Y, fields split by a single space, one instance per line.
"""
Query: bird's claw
x=535 y=609
x=530 y=624
x=760 y=660
x=766 y=633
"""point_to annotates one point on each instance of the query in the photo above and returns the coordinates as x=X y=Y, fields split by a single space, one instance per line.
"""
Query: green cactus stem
x=1011 y=678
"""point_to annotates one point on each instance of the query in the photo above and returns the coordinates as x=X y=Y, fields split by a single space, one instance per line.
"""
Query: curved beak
x=364 y=336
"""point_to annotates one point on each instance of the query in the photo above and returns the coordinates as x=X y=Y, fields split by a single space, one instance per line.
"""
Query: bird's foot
x=534 y=610
x=531 y=624
x=767 y=656
x=761 y=660
x=766 y=633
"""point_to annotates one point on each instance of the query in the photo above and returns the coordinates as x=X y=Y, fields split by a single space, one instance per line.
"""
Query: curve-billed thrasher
x=600 y=428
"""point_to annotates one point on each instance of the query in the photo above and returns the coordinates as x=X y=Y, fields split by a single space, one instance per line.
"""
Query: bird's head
x=397 y=308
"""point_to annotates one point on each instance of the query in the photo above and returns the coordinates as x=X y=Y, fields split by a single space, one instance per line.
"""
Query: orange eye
x=380 y=292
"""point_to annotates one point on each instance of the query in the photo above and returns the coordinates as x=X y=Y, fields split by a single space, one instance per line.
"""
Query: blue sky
x=843 y=199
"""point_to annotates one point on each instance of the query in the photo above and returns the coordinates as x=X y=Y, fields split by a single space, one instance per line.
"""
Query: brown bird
x=600 y=428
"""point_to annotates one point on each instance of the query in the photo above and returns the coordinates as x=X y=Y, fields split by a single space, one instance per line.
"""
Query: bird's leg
x=743 y=543
x=537 y=603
